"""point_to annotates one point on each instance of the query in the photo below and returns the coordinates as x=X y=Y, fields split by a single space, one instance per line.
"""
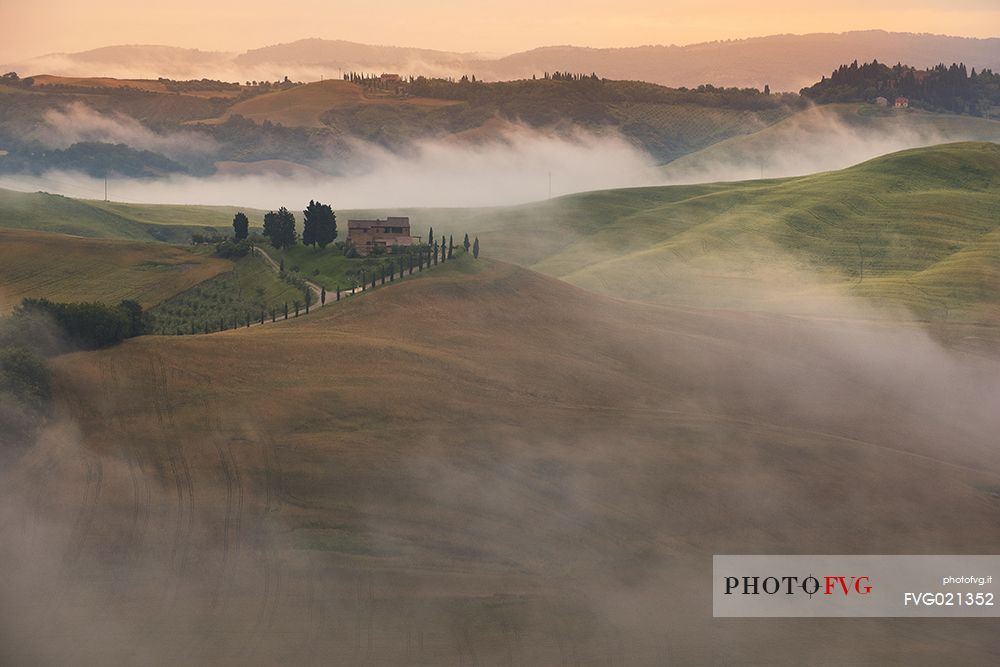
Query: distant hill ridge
x=785 y=62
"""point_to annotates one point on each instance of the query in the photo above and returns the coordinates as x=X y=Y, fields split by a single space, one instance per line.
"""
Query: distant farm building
x=367 y=235
x=881 y=102
x=902 y=103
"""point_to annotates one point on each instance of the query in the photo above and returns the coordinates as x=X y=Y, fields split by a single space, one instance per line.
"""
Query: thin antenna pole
x=105 y=188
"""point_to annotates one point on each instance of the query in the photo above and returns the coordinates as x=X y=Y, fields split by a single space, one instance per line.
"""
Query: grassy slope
x=303 y=106
x=497 y=465
x=63 y=268
x=328 y=268
x=916 y=229
x=249 y=288
x=822 y=125
x=54 y=213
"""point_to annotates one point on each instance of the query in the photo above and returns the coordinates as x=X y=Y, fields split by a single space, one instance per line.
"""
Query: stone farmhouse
x=367 y=235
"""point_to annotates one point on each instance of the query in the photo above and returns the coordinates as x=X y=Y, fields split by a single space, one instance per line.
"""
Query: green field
x=915 y=230
x=824 y=133
x=54 y=213
x=329 y=268
x=66 y=268
x=250 y=288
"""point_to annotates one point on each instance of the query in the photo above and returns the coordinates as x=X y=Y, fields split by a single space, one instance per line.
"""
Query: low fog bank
x=823 y=139
x=516 y=167
x=77 y=122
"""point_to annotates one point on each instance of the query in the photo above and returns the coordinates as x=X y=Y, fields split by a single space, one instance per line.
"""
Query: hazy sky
x=37 y=27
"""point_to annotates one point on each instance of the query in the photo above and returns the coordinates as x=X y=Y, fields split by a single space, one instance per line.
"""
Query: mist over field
x=513 y=168
x=724 y=279
x=539 y=509
x=77 y=122
x=513 y=164
x=817 y=140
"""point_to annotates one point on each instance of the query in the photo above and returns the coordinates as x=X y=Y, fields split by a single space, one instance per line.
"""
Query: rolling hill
x=824 y=138
x=492 y=468
x=915 y=229
x=64 y=268
x=304 y=106
x=913 y=232
x=41 y=211
x=786 y=62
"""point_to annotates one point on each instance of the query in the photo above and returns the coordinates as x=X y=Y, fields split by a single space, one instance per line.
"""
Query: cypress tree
x=451 y=247
x=322 y=296
x=286 y=310
x=241 y=226
x=338 y=291
x=475 y=248
x=466 y=242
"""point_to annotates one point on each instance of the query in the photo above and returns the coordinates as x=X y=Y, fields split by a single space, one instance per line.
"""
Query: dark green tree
x=133 y=311
x=475 y=248
x=279 y=227
x=241 y=226
x=451 y=247
x=430 y=237
x=466 y=243
x=322 y=296
x=319 y=224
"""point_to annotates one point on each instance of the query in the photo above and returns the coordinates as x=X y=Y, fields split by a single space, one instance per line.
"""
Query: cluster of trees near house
x=319 y=227
x=941 y=88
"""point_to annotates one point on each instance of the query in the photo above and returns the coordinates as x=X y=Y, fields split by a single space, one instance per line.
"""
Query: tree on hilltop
x=279 y=227
x=319 y=224
x=241 y=226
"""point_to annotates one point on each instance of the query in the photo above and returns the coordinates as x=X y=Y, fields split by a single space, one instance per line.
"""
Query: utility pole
x=105 y=188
